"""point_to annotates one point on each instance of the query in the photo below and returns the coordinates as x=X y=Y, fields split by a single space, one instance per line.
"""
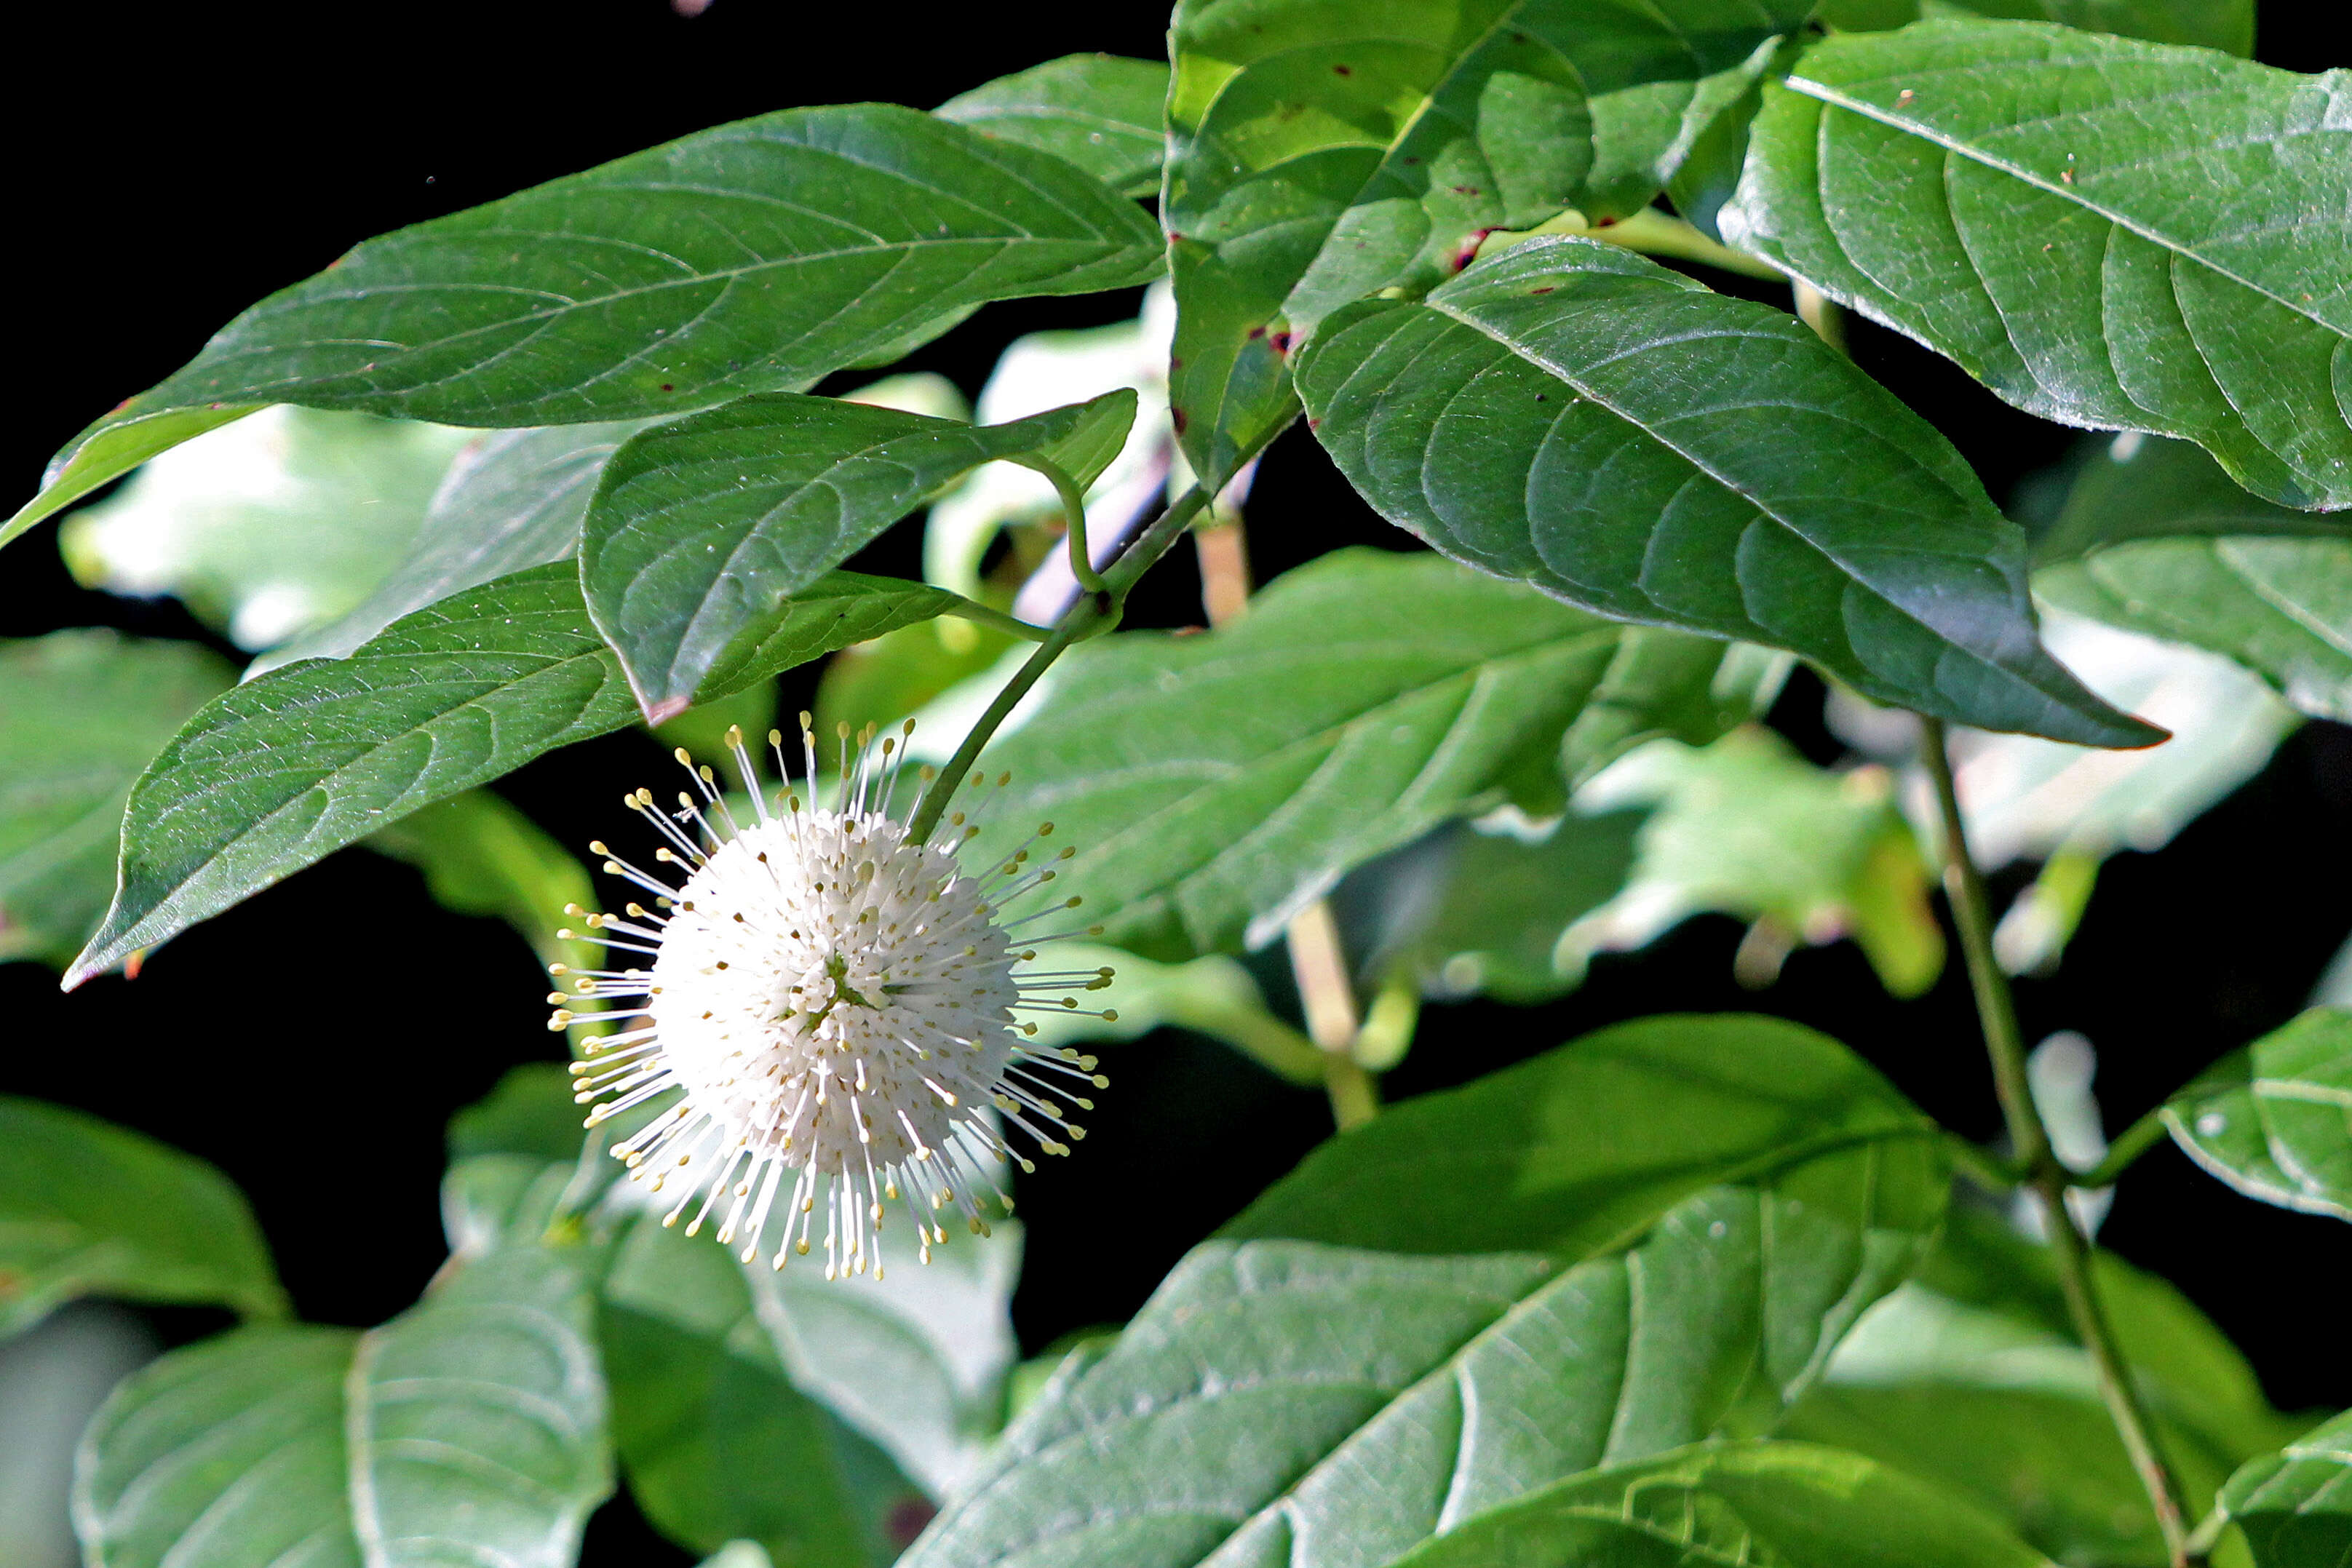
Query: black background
x=172 y=165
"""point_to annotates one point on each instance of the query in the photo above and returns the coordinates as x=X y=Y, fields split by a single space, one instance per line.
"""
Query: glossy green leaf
x=2274 y=1119
x=471 y=1429
x=1747 y=828
x=481 y=856
x=1322 y=151
x=292 y=766
x=1534 y=417
x=756 y=255
x=1970 y=1376
x=1666 y=684
x=270 y=527
x=1359 y=1401
x=2279 y=607
x=80 y=713
x=1099 y=111
x=1788 y=1504
x=513 y=499
x=88 y=1209
x=700 y=529
x=717 y=1443
x=2106 y=232
x=2210 y=24
x=1214 y=784
x=2295 y=1506
x=165 y=1472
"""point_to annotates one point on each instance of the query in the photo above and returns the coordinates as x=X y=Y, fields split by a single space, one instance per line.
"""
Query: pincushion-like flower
x=837 y=1004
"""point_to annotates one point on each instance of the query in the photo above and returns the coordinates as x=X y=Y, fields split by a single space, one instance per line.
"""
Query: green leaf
x=2295 y=1506
x=469 y=1429
x=1214 y=784
x=1321 y=153
x=88 y=1209
x=1747 y=828
x=2211 y=23
x=700 y=529
x=294 y=765
x=1788 y=1504
x=481 y=856
x=756 y=255
x=1672 y=685
x=1533 y=418
x=1359 y=1401
x=1099 y=111
x=2275 y=1119
x=269 y=527
x=2135 y=487
x=166 y=1467
x=1578 y=1150
x=1970 y=1376
x=512 y=500
x=717 y=1442
x=2279 y=607
x=895 y=675
x=1469 y=912
x=2105 y=232
x=81 y=713
x=531 y=1113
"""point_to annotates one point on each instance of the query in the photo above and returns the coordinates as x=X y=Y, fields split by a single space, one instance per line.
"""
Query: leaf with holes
x=1098 y=111
x=1576 y=417
x=1321 y=153
x=1639 y=1240
x=1214 y=784
x=2274 y=1119
x=760 y=254
x=702 y=528
x=290 y=767
x=91 y=1209
x=2106 y=232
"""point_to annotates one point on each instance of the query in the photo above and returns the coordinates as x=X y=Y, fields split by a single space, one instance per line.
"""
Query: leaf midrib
x=1824 y=93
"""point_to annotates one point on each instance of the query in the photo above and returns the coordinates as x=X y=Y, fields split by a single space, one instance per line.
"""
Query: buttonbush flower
x=835 y=1007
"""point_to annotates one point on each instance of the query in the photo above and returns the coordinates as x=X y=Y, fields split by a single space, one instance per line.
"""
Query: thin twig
x=1996 y=1013
x=1094 y=612
x=1317 y=959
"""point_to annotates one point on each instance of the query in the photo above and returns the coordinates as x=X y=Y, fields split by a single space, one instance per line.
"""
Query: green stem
x=1996 y=1013
x=980 y=614
x=2137 y=1139
x=1094 y=611
x=1074 y=518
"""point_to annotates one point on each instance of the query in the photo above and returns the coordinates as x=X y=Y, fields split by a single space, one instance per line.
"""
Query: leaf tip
x=662 y=710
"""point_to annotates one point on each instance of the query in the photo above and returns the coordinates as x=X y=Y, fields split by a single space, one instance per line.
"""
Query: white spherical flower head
x=834 y=1005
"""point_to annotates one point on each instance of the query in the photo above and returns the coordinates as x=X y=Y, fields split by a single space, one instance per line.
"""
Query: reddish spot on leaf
x=1604 y=223
x=1255 y=333
x=907 y=1519
x=1547 y=288
x=133 y=963
x=1314 y=424
x=1176 y=417
x=1281 y=341
x=667 y=387
x=1466 y=190
x=1468 y=252
x=1342 y=71
x=1409 y=158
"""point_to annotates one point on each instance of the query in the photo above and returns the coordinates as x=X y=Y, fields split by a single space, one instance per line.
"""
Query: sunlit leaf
x=2106 y=232
x=1535 y=418
x=2274 y=1119
x=752 y=257
x=1098 y=111
x=2295 y=1506
x=1321 y=153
